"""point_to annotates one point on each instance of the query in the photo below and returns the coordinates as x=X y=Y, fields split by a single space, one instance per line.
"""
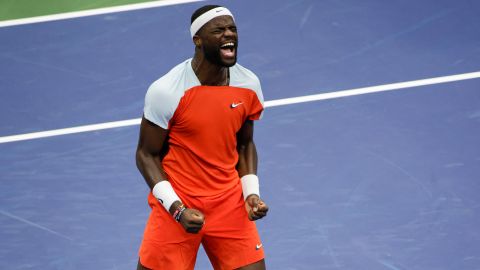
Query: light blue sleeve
x=244 y=78
x=160 y=104
x=164 y=95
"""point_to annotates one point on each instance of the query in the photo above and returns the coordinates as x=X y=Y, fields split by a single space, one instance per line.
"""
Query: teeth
x=230 y=44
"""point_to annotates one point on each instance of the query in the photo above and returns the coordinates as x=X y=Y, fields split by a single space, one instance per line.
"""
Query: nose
x=229 y=32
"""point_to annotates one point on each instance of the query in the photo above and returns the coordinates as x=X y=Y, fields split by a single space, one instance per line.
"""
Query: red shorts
x=229 y=238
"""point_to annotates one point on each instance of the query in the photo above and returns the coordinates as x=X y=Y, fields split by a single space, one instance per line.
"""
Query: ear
x=197 y=41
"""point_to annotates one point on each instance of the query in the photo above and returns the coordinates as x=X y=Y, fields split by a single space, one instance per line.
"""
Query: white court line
x=271 y=103
x=72 y=130
x=373 y=89
x=92 y=12
x=34 y=224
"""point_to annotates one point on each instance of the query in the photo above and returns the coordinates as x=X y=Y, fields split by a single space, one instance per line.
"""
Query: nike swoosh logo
x=257 y=247
x=234 y=105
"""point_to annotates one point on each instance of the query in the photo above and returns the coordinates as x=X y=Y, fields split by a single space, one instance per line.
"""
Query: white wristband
x=164 y=193
x=250 y=185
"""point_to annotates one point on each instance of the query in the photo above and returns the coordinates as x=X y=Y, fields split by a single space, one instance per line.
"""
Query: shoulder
x=241 y=76
x=163 y=95
x=244 y=78
x=176 y=81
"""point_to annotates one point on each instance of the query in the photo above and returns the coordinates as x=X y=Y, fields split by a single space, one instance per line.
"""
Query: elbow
x=241 y=148
x=139 y=158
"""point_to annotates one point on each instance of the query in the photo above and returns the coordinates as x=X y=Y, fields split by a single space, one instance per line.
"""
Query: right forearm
x=150 y=167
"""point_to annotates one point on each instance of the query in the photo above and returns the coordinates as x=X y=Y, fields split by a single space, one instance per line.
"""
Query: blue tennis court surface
x=379 y=181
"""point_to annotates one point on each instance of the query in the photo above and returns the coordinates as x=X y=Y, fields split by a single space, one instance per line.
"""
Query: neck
x=209 y=73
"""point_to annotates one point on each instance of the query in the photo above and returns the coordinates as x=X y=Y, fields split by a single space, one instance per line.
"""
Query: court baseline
x=271 y=103
x=93 y=12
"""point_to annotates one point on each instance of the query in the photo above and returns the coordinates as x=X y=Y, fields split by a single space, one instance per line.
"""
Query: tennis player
x=197 y=154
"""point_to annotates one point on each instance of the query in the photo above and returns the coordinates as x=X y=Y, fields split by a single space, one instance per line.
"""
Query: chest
x=214 y=110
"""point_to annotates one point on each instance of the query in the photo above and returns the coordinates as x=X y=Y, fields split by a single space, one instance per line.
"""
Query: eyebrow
x=223 y=26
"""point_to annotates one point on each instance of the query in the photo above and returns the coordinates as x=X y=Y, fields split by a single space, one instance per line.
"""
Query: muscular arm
x=151 y=146
x=247 y=164
x=247 y=152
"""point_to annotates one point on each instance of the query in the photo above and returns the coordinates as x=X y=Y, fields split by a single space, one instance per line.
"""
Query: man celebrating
x=196 y=153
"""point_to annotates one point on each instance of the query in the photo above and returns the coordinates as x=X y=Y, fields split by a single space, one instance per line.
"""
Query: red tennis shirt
x=203 y=122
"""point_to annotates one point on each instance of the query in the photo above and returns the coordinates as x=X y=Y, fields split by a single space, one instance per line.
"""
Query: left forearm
x=247 y=153
x=247 y=170
x=247 y=158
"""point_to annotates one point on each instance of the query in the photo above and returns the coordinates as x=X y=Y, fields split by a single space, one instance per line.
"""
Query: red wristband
x=178 y=213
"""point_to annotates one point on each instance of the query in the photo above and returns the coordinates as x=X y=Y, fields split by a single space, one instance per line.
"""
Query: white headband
x=208 y=16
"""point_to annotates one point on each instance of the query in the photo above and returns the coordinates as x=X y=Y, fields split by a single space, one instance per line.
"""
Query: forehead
x=220 y=21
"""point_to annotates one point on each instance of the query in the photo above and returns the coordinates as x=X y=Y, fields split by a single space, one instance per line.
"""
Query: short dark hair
x=202 y=10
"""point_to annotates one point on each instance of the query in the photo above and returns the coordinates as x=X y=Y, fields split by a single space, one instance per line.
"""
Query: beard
x=214 y=56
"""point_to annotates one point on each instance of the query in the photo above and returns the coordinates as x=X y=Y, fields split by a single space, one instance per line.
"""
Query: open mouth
x=228 y=50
